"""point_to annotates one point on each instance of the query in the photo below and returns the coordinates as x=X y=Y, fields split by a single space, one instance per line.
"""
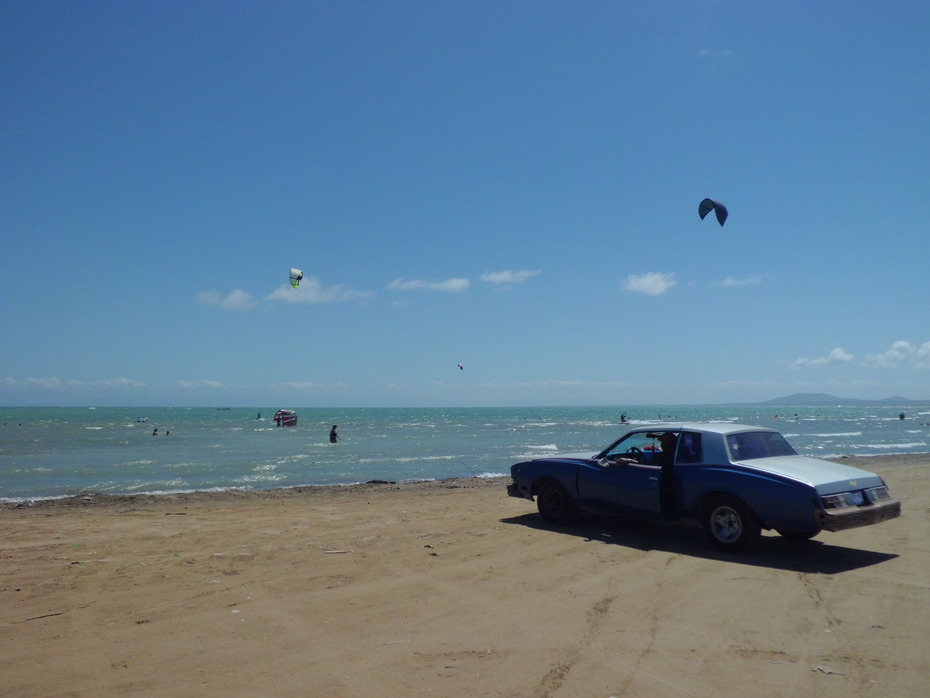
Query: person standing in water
x=333 y=436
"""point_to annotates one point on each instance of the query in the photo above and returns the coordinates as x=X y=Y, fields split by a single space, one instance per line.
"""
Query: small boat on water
x=285 y=418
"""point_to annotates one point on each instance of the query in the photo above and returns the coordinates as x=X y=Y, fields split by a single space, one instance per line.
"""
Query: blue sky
x=508 y=185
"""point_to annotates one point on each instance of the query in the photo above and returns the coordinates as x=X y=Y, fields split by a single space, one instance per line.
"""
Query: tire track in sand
x=553 y=679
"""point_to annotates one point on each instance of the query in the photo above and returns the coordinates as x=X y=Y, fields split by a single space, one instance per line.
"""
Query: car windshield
x=645 y=447
x=758 y=444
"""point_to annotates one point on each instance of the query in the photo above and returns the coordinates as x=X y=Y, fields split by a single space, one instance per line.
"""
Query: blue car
x=736 y=480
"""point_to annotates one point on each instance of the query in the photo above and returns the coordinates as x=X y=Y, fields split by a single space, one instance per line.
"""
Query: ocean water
x=62 y=451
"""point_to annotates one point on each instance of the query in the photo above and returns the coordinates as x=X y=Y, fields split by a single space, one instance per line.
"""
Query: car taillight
x=876 y=494
x=856 y=498
x=834 y=501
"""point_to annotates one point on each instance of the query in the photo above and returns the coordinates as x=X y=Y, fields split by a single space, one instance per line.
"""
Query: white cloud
x=309 y=385
x=311 y=291
x=122 y=382
x=447 y=286
x=900 y=352
x=837 y=356
x=507 y=277
x=108 y=383
x=236 y=300
x=57 y=383
x=922 y=357
x=558 y=383
x=201 y=383
x=749 y=281
x=651 y=284
x=43 y=382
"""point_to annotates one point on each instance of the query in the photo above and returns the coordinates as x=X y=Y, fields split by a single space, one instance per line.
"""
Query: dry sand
x=450 y=589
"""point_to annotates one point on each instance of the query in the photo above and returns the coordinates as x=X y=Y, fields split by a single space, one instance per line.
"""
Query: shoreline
x=101 y=499
x=307 y=492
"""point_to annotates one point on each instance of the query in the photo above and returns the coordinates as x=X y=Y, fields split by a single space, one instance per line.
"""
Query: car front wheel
x=554 y=504
x=730 y=525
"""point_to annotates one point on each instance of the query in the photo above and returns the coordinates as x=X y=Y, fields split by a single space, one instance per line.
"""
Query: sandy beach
x=450 y=588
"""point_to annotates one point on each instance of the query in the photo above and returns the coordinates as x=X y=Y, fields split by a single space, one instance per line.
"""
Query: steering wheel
x=635 y=453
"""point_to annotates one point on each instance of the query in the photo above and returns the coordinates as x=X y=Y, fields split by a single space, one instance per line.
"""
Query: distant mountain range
x=825 y=400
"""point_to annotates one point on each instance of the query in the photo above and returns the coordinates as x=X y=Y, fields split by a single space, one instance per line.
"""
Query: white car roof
x=723 y=428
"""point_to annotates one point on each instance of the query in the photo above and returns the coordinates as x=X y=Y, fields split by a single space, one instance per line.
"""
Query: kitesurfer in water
x=333 y=436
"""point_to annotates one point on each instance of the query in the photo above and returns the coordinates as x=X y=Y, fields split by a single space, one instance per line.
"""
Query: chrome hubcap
x=726 y=524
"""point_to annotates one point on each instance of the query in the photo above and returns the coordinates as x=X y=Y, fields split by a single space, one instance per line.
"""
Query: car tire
x=554 y=504
x=730 y=525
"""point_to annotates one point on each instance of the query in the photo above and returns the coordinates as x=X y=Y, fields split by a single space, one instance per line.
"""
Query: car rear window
x=758 y=444
x=689 y=448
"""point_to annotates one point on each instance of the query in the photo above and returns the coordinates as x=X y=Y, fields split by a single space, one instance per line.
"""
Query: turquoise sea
x=62 y=451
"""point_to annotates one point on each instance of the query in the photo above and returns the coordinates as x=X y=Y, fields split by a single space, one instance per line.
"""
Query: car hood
x=826 y=476
x=570 y=456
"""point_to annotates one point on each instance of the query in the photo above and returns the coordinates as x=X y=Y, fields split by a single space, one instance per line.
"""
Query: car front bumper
x=514 y=490
x=854 y=517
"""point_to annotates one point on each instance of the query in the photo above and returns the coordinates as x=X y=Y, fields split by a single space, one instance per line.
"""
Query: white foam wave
x=544 y=447
x=407 y=459
x=885 y=447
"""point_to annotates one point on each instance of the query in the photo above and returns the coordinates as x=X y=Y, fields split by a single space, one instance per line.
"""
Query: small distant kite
x=296 y=276
x=708 y=205
x=461 y=367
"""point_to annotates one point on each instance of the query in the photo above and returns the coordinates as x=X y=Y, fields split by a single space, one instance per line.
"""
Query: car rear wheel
x=730 y=525
x=554 y=504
